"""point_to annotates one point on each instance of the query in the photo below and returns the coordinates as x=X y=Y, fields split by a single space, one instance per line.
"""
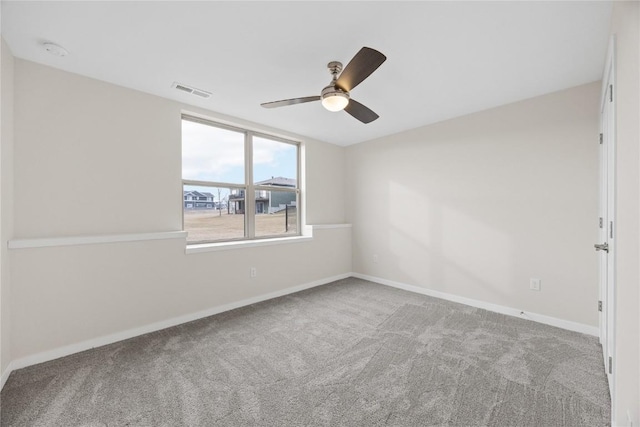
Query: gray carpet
x=351 y=353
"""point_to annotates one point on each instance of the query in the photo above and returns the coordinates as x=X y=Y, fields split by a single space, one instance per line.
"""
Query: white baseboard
x=540 y=318
x=5 y=375
x=119 y=336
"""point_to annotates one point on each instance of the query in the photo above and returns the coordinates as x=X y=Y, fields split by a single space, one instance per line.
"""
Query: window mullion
x=250 y=200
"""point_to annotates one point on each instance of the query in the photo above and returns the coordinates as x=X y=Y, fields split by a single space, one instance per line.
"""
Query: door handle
x=602 y=247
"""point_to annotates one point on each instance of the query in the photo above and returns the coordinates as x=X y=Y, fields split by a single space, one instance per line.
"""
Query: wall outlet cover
x=534 y=284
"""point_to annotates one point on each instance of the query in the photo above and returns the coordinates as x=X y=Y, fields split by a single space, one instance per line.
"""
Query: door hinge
x=610 y=93
x=600 y=222
x=600 y=138
x=610 y=365
x=611 y=229
x=599 y=305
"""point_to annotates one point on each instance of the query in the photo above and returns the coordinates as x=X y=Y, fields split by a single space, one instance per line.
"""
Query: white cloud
x=267 y=152
x=212 y=154
x=215 y=154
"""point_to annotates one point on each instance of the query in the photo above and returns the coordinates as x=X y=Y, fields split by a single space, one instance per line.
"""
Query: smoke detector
x=55 y=49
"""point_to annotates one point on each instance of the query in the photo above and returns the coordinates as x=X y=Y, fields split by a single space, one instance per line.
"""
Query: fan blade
x=293 y=101
x=365 y=62
x=360 y=112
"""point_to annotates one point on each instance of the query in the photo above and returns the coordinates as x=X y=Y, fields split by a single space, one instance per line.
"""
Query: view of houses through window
x=237 y=184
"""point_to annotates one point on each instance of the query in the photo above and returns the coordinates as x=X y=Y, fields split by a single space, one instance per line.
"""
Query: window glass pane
x=273 y=160
x=212 y=213
x=276 y=213
x=210 y=153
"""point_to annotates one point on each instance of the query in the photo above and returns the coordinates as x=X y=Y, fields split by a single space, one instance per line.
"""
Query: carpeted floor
x=351 y=353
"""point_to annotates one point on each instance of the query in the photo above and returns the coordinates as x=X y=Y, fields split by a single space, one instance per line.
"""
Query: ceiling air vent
x=192 y=90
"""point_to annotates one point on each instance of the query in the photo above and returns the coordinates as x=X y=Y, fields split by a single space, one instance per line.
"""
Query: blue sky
x=214 y=154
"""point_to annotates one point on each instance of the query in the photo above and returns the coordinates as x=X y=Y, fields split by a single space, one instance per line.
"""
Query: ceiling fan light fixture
x=334 y=99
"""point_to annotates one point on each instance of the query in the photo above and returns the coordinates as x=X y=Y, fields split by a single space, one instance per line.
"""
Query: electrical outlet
x=375 y=258
x=253 y=272
x=534 y=284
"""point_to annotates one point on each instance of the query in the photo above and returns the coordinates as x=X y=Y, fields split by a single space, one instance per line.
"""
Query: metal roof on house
x=197 y=193
x=278 y=181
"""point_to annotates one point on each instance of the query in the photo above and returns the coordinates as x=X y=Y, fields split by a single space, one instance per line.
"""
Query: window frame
x=249 y=187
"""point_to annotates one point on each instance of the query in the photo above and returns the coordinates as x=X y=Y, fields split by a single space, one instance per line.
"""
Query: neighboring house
x=266 y=201
x=197 y=200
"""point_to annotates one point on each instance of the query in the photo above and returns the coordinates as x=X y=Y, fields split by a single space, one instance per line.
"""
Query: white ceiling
x=444 y=59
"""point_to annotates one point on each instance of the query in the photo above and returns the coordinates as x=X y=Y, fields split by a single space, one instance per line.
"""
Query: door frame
x=607 y=209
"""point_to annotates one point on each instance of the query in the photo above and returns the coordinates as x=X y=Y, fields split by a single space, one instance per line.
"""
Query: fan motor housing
x=333 y=91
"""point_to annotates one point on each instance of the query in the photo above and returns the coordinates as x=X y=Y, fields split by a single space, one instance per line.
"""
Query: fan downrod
x=334 y=68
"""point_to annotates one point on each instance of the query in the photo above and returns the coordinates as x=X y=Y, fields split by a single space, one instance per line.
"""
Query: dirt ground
x=210 y=225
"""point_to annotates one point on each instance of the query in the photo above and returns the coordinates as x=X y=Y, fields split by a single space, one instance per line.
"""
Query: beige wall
x=6 y=202
x=325 y=172
x=478 y=205
x=87 y=153
x=626 y=28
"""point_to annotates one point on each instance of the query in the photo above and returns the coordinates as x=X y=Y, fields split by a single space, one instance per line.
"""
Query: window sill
x=224 y=246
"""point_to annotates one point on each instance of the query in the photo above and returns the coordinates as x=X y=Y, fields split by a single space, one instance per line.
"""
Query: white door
x=606 y=222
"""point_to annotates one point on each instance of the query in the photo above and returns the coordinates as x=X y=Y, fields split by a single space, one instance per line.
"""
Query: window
x=237 y=184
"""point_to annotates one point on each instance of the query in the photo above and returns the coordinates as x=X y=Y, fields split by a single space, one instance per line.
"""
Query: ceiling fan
x=336 y=97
